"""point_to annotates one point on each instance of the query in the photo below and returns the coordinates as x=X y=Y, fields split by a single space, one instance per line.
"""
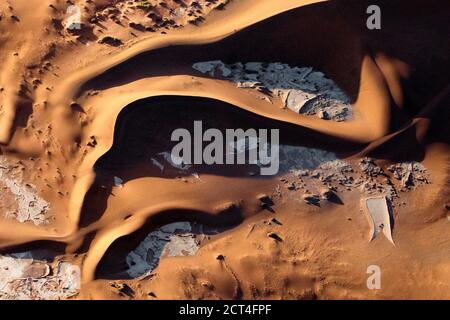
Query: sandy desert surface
x=93 y=206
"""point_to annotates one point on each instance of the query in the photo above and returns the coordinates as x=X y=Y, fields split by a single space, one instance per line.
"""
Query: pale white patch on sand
x=377 y=209
x=289 y=157
x=29 y=206
x=303 y=90
x=213 y=68
x=298 y=157
x=196 y=176
x=172 y=240
x=168 y=157
x=118 y=182
x=24 y=278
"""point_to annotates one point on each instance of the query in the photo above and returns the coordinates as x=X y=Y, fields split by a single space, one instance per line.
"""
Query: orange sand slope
x=86 y=114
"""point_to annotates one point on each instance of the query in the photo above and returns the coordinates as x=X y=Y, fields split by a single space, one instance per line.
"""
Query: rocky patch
x=171 y=240
x=302 y=89
x=22 y=277
x=19 y=200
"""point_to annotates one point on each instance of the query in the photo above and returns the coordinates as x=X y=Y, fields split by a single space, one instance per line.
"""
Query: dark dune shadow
x=113 y=264
x=143 y=130
x=415 y=32
x=330 y=46
x=52 y=249
x=332 y=37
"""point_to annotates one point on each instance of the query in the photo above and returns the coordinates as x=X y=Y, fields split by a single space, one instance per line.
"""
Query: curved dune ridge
x=87 y=124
